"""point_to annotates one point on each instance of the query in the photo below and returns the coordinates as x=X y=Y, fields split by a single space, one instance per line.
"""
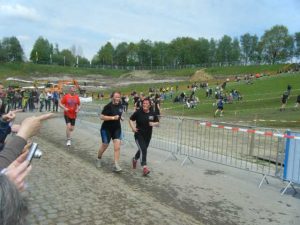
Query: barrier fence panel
x=166 y=136
x=292 y=161
x=128 y=135
x=238 y=147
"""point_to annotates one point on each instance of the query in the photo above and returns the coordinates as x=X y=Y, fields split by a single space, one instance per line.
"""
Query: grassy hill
x=252 y=69
x=228 y=70
x=38 y=70
x=261 y=100
x=25 y=69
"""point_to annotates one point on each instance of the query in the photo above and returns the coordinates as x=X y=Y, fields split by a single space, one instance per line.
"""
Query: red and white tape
x=239 y=129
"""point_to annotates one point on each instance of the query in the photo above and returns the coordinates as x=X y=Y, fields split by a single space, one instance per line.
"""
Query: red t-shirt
x=71 y=102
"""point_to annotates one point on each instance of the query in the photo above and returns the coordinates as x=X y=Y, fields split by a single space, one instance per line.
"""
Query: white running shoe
x=98 y=163
x=117 y=168
x=68 y=142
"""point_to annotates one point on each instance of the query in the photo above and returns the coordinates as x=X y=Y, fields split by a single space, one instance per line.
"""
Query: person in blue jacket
x=220 y=107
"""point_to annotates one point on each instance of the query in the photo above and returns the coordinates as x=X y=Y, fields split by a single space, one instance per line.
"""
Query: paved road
x=64 y=187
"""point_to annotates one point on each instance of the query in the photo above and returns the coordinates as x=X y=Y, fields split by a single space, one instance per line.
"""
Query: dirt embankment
x=201 y=75
x=95 y=82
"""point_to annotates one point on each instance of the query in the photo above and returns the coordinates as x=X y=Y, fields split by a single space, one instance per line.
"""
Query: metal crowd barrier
x=291 y=171
x=229 y=146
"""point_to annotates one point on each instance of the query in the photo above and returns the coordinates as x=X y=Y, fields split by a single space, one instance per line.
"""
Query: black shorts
x=69 y=120
x=284 y=101
x=220 y=107
x=107 y=135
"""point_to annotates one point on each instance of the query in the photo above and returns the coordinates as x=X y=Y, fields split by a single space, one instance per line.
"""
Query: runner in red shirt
x=71 y=105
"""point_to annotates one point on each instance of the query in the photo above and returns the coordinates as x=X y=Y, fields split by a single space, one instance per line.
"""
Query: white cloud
x=23 y=37
x=19 y=11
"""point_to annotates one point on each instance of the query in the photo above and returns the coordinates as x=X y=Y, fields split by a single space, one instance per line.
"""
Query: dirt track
x=66 y=188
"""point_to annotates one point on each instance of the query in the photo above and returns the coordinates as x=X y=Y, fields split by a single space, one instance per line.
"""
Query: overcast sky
x=89 y=24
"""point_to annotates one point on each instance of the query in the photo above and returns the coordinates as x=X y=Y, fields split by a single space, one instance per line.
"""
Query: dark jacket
x=5 y=130
x=12 y=149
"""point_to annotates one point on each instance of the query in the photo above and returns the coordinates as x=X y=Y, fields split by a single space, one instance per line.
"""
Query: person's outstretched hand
x=31 y=125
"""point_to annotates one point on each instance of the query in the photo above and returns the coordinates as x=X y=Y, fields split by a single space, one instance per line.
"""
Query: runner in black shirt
x=111 y=129
x=144 y=121
x=284 y=99
x=297 y=101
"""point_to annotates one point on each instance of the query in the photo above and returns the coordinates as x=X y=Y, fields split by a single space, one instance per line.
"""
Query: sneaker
x=117 y=168
x=146 y=171
x=68 y=142
x=98 y=163
x=134 y=161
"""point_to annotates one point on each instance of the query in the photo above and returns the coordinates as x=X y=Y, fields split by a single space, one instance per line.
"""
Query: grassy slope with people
x=261 y=100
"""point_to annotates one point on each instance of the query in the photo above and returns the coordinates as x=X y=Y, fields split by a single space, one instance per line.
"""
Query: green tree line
x=276 y=45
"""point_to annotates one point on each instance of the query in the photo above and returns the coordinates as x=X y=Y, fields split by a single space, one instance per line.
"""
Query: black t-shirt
x=139 y=104
x=135 y=99
x=285 y=97
x=142 y=121
x=123 y=100
x=112 y=110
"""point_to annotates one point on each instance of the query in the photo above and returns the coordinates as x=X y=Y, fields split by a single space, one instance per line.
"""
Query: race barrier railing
x=292 y=161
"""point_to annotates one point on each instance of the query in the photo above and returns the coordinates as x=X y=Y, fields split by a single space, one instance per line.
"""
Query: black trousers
x=55 y=105
x=142 y=143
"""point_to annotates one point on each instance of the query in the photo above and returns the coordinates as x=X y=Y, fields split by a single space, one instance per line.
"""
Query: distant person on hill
x=284 y=99
x=297 y=101
x=223 y=86
x=220 y=107
x=210 y=92
x=289 y=88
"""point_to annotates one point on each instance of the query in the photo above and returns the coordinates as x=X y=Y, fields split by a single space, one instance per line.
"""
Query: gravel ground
x=65 y=187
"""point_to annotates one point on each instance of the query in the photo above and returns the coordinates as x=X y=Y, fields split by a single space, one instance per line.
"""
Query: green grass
x=38 y=70
x=25 y=69
x=261 y=101
x=253 y=69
